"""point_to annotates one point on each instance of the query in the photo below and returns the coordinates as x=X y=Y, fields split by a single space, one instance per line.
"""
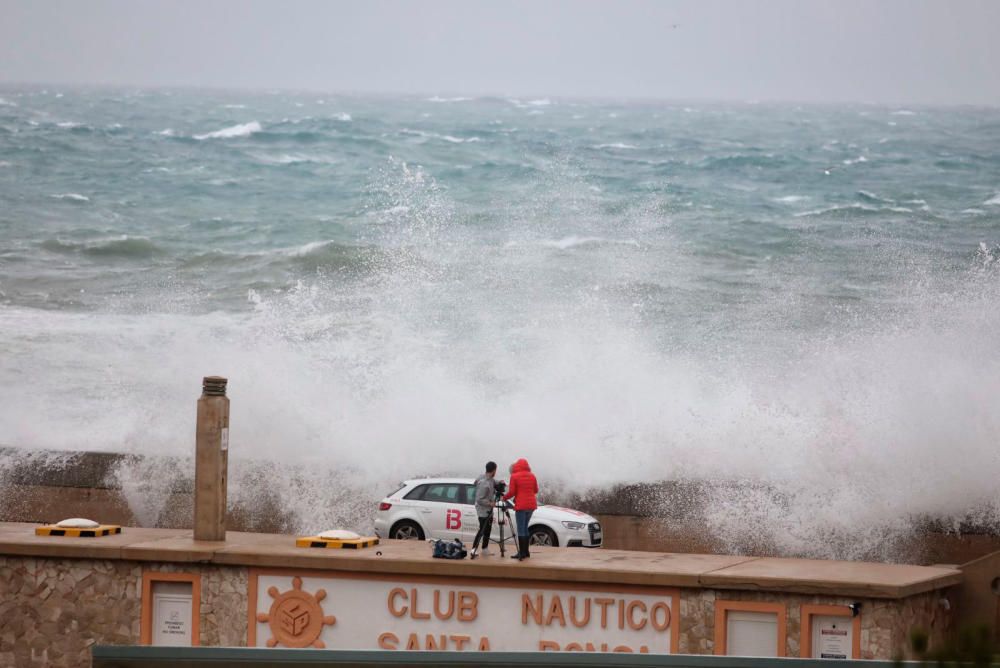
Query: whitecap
x=7 y=103
x=240 y=130
x=904 y=112
x=856 y=160
x=168 y=132
x=993 y=201
x=74 y=197
x=344 y=117
x=617 y=145
x=68 y=124
x=457 y=140
x=438 y=98
x=542 y=102
x=4 y=163
x=574 y=241
x=535 y=112
x=234 y=106
x=791 y=199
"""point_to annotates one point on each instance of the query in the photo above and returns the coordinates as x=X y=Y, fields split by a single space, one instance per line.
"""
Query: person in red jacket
x=523 y=488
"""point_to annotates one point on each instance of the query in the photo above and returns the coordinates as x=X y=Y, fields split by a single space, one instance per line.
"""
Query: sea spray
x=712 y=308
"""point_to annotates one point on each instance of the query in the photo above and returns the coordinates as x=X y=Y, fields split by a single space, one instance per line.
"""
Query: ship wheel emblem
x=296 y=618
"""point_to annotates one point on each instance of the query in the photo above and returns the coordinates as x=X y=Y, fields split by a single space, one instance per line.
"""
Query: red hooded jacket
x=523 y=486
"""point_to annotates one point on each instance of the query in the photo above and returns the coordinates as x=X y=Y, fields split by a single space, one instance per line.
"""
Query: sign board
x=171 y=613
x=338 y=611
x=833 y=637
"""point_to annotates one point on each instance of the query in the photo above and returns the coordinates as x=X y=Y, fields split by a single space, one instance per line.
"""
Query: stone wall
x=53 y=610
x=885 y=625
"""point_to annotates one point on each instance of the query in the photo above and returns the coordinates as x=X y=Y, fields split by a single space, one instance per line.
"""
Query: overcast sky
x=888 y=51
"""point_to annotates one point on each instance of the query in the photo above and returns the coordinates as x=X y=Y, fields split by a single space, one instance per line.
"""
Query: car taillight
x=384 y=505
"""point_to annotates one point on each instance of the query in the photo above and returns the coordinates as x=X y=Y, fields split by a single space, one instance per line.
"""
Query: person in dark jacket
x=486 y=488
x=523 y=488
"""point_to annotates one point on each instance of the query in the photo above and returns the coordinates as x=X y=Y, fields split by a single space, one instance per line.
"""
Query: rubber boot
x=527 y=545
x=520 y=549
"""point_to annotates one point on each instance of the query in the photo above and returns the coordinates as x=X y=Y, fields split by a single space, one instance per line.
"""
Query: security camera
x=855 y=608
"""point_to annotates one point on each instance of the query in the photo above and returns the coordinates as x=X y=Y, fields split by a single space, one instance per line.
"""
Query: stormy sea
x=799 y=303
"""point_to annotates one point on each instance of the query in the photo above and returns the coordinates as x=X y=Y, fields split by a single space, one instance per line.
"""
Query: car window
x=443 y=493
x=417 y=493
x=470 y=494
x=396 y=491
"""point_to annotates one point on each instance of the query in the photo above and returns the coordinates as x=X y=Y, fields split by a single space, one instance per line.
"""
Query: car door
x=470 y=517
x=443 y=507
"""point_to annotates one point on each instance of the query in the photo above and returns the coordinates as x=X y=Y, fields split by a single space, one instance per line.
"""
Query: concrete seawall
x=46 y=486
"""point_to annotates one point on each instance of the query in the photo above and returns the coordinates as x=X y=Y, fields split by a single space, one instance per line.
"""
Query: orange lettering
x=665 y=609
x=636 y=626
x=437 y=605
x=460 y=641
x=397 y=612
x=555 y=608
x=643 y=649
x=535 y=609
x=621 y=613
x=413 y=643
x=622 y=649
x=579 y=623
x=604 y=603
x=591 y=648
x=574 y=647
x=468 y=602
x=432 y=644
x=413 y=611
x=484 y=644
x=546 y=645
x=388 y=641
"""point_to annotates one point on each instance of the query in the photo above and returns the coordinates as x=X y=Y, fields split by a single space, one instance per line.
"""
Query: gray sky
x=889 y=51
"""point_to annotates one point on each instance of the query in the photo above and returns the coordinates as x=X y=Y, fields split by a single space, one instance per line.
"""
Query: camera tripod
x=503 y=513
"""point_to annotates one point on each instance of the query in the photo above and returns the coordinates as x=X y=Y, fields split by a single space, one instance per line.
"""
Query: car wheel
x=406 y=530
x=542 y=536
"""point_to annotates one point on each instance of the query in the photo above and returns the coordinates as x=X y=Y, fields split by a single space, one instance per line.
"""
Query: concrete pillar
x=211 y=461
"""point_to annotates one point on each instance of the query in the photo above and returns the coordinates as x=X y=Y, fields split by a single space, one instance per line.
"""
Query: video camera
x=500 y=488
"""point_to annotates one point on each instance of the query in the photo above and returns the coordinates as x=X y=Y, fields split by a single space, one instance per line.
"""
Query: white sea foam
x=993 y=201
x=69 y=124
x=904 y=112
x=75 y=197
x=241 y=130
x=234 y=106
x=343 y=117
x=574 y=241
x=167 y=132
x=7 y=103
x=856 y=160
x=618 y=145
x=296 y=158
x=543 y=102
x=437 y=98
x=791 y=199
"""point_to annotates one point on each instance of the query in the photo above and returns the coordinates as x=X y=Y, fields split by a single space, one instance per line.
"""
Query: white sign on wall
x=340 y=612
x=833 y=637
x=171 y=615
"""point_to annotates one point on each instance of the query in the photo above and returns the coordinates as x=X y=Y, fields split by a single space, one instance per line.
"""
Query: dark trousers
x=485 y=527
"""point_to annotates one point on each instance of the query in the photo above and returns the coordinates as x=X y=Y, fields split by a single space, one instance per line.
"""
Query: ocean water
x=802 y=300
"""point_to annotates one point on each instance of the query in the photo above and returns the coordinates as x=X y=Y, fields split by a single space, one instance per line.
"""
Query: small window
x=470 y=494
x=443 y=493
x=396 y=491
x=417 y=493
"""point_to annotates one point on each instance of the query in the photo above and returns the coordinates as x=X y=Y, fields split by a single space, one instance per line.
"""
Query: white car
x=444 y=508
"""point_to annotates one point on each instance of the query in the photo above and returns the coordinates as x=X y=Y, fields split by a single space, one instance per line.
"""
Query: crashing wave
x=73 y=197
x=240 y=130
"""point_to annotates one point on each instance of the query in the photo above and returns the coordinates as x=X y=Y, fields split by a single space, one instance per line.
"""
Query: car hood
x=560 y=514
